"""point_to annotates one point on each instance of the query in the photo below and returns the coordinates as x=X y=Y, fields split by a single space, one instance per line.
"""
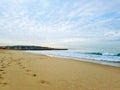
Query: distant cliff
x=20 y=47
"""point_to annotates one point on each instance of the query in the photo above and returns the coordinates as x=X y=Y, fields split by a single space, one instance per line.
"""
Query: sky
x=61 y=23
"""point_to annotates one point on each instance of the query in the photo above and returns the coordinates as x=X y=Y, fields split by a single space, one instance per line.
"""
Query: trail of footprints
x=4 y=63
x=24 y=68
x=29 y=71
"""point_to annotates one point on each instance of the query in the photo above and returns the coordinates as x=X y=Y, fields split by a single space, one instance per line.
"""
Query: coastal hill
x=24 y=47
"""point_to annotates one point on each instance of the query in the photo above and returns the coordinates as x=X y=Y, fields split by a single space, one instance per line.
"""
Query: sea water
x=106 y=58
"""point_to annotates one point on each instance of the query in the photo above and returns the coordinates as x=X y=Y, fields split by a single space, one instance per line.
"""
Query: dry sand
x=25 y=71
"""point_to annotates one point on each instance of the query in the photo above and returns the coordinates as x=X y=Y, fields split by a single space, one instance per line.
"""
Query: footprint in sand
x=44 y=82
x=3 y=84
x=1 y=77
x=30 y=73
x=19 y=63
x=1 y=70
x=3 y=67
x=23 y=67
x=34 y=75
x=28 y=70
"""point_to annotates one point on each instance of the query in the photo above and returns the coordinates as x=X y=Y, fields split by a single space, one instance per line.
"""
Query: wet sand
x=25 y=71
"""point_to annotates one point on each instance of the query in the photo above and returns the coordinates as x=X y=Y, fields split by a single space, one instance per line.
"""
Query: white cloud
x=112 y=35
x=65 y=23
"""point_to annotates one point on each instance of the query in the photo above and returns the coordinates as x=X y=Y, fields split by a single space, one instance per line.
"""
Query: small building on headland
x=2 y=47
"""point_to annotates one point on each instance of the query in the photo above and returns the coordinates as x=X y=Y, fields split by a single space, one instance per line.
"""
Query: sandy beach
x=26 y=71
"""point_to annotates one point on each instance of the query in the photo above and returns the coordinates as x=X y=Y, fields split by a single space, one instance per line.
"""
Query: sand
x=26 y=71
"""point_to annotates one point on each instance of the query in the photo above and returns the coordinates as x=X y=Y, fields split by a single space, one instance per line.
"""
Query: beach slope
x=26 y=71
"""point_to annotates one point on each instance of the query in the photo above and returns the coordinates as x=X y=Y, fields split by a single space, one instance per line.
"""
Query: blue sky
x=60 y=23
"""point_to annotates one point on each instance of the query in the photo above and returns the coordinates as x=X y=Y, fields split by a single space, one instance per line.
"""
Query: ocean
x=106 y=58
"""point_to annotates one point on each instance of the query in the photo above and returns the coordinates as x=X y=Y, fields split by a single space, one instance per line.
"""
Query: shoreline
x=28 y=71
x=107 y=63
